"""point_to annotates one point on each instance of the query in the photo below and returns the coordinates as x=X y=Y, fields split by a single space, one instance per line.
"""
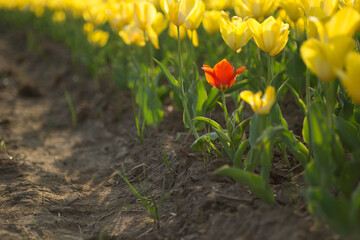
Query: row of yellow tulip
x=330 y=26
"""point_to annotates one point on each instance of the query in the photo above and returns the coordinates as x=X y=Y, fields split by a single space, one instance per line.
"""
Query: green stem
x=180 y=66
x=330 y=102
x=270 y=70
x=149 y=65
x=226 y=114
x=235 y=59
x=308 y=102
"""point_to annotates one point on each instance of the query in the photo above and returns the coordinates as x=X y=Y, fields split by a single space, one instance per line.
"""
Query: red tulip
x=222 y=76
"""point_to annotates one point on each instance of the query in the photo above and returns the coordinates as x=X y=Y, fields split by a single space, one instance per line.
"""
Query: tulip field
x=180 y=119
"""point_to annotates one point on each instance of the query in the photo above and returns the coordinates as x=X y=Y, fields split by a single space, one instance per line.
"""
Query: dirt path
x=57 y=181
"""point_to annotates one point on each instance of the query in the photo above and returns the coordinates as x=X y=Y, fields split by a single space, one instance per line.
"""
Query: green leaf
x=238 y=132
x=238 y=156
x=237 y=85
x=256 y=183
x=172 y=80
x=212 y=98
x=277 y=117
x=137 y=194
x=305 y=131
x=258 y=124
x=333 y=210
x=149 y=104
x=196 y=145
x=298 y=100
x=209 y=121
x=348 y=134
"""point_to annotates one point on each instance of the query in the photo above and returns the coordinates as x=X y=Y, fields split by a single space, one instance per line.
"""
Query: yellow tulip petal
x=268 y=100
x=344 y=22
x=153 y=37
x=351 y=80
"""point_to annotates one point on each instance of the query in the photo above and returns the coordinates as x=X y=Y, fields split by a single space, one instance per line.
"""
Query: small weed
x=3 y=145
x=71 y=107
x=151 y=205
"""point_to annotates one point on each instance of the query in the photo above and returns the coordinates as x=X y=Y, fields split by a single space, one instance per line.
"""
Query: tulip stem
x=330 y=89
x=270 y=70
x=180 y=66
x=226 y=114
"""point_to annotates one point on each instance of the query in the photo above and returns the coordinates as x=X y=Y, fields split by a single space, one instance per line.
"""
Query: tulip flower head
x=351 y=79
x=323 y=58
x=223 y=75
x=211 y=20
x=271 y=35
x=260 y=105
x=235 y=33
x=179 y=10
x=255 y=8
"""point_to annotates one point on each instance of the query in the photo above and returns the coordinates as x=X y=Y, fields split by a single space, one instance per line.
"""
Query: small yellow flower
x=132 y=35
x=271 y=35
x=119 y=14
x=351 y=79
x=260 y=105
x=88 y=27
x=59 y=17
x=235 y=33
x=212 y=19
x=98 y=38
x=160 y=23
x=323 y=58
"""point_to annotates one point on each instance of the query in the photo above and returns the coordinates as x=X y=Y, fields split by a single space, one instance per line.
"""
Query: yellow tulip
x=212 y=19
x=293 y=9
x=173 y=31
x=145 y=14
x=344 y=22
x=119 y=14
x=160 y=23
x=59 y=17
x=254 y=8
x=260 y=105
x=351 y=3
x=319 y=8
x=271 y=35
x=98 y=38
x=132 y=35
x=323 y=58
x=88 y=27
x=235 y=33
x=193 y=35
x=195 y=18
x=218 y=5
x=95 y=12
x=179 y=10
x=351 y=79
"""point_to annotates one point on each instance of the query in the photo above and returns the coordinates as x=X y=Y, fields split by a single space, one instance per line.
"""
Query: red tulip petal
x=224 y=72
x=239 y=71
x=211 y=78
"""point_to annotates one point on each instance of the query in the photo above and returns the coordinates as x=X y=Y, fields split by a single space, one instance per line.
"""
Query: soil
x=58 y=181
